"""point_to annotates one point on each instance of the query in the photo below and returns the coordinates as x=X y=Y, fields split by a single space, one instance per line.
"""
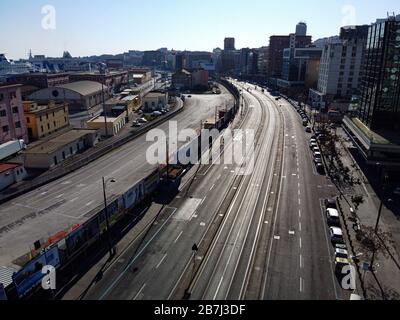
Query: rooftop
x=154 y=95
x=58 y=142
x=100 y=119
x=82 y=87
x=4 y=167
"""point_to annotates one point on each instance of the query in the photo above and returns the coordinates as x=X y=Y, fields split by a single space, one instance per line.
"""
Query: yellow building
x=114 y=124
x=43 y=120
x=125 y=101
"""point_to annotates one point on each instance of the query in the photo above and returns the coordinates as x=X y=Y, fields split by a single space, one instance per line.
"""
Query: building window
x=41 y=128
x=28 y=120
x=48 y=126
x=15 y=109
x=3 y=113
x=6 y=129
x=18 y=124
x=1 y=97
x=63 y=154
x=13 y=95
x=71 y=151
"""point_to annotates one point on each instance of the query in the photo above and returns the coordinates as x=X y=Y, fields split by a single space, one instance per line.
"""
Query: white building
x=154 y=101
x=341 y=66
x=13 y=67
x=11 y=173
x=80 y=95
x=59 y=149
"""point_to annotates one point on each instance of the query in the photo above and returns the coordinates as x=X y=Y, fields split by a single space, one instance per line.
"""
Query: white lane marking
x=140 y=291
x=163 y=258
x=301 y=285
x=301 y=262
x=300 y=226
x=109 y=288
x=291 y=233
x=300 y=214
x=301 y=243
x=43 y=193
x=176 y=240
x=59 y=196
x=219 y=286
x=212 y=187
x=299 y=202
x=277 y=237
x=73 y=200
x=202 y=201
x=203 y=224
x=89 y=203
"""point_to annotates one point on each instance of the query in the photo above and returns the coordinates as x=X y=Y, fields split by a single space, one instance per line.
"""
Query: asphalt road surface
x=76 y=197
x=153 y=269
x=270 y=240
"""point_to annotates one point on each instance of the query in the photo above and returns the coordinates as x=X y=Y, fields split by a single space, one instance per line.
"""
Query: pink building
x=12 y=120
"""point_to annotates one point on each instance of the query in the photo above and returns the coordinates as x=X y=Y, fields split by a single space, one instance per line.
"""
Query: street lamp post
x=109 y=240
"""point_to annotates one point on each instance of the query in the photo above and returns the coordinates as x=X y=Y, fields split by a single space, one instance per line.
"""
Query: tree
x=357 y=201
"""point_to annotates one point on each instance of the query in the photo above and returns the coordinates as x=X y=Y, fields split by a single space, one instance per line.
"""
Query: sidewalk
x=83 y=285
x=384 y=283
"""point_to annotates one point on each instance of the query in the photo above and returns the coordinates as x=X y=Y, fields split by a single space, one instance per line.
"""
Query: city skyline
x=91 y=35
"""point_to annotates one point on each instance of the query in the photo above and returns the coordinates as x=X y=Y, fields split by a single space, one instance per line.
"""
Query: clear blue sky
x=87 y=27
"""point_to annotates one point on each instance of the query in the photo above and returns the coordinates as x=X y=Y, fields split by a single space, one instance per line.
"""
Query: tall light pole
x=109 y=240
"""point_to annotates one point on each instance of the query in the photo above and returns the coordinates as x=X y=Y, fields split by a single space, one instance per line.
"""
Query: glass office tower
x=380 y=99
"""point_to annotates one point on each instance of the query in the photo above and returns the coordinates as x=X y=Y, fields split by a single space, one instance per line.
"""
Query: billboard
x=115 y=211
x=31 y=274
x=92 y=230
x=134 y=195
x=76 y=240
x=151 y=182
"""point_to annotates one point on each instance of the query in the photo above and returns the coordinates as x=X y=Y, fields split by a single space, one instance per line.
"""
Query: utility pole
x=109 y=243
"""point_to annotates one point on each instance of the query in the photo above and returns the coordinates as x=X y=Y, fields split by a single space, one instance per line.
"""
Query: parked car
x=156 y=114
x=317 y=155
x=136 y=124
x=336 y=235
x=320 y=168
x=340 y=246
x=308 y=129
x=317 y=161
x=340 y=263
x=315 y=149
x=330 y=204
x=341 y=253
x=313 y=145
x=332 y=216
x=142 y=120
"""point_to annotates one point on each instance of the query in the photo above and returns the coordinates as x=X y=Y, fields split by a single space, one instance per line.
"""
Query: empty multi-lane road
x=260 y=236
